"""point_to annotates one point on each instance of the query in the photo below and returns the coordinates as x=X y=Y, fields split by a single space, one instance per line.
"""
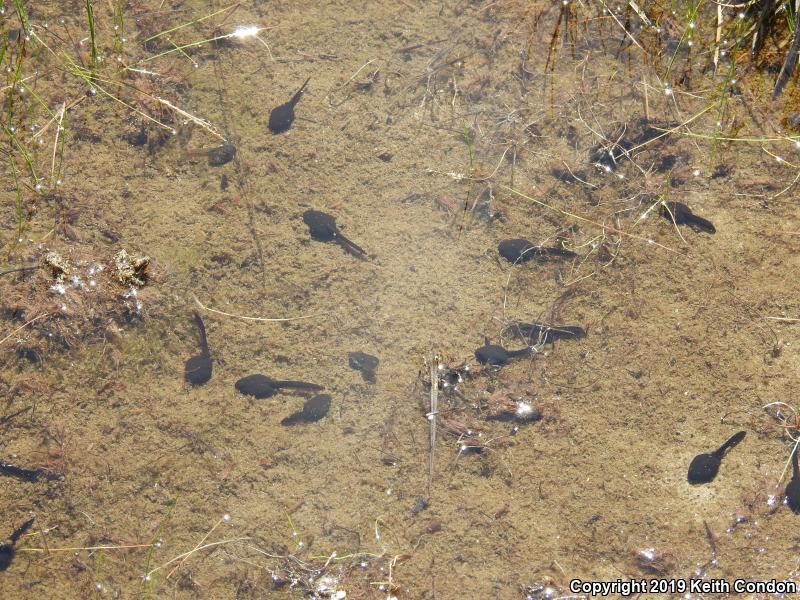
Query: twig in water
x=86 y=548
x=434 y=407
x=197 y=547
x=585 y=220
x=19 y=269
x=23 y=326
x=185 y=555
x=246 y=318
x=196 y=120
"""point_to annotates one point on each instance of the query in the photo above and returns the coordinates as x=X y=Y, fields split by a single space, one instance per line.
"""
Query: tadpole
x=282 y=117
x=520 y=251
x=365 y=363
x=221 y=155
x=313 y=410
x=8 y=547
x=323 y=228
x=198 y=368
x=261 y=386
x=793 y=487
x=497 y=356
x=539 y=333
x=704 y=467
x=680 y=214
x=28 y=475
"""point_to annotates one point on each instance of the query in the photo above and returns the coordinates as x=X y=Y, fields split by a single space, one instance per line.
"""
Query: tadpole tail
x=351 y=247
x=293 y=419
x=701 y=223
x=735 y=439
x=521 y=352
x=299 y=93
x=543 y=253
x=297 y=385
x=539 y=333
x=531 y=333
x=203 y=339
x=29 y=475
x=20 y=531
x=567 y=332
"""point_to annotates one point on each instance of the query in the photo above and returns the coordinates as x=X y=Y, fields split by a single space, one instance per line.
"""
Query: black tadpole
x=365 y=363
x=313 y=410
x=28 y=475
x=221 y=155
x=497 y=356
x=198 y=368
x=520 y=251
x=680 y=214
x=8 y=547
x=323 y=228
x=540 y=333
x=793 y=487
x=704 y=467
x=261 y=386
x=282 y=117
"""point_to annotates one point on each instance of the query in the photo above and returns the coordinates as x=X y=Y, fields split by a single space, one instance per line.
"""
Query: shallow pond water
x=431 y=132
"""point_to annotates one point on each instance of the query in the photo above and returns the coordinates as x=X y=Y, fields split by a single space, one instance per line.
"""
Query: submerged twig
x=23 y=326
x=248 y=318
x=434 y=407
x=196 y=120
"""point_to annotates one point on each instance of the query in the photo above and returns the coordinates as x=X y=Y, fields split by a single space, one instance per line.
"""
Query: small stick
x=246 y=318
x=23 y=326
x=60 y=116
x=718 y=38
x=196 y=120
x=585 y=220
x=199 y=545
x=711 y=542
x=19 y=269
x=44 y=538
x=613 y=16
x=434 y=407
x=789 y=461
x=641 y=14
x=198 y=548
x=77 y=549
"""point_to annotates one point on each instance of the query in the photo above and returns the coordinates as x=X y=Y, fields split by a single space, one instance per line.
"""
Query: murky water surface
x=430 y=132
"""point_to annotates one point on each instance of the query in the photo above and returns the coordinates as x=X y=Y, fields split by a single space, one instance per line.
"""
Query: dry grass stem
x=23 y=326
x=247 y=318
x=196 y=120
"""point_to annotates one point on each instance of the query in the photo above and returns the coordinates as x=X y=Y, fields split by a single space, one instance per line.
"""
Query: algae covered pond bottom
x=563 y=266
